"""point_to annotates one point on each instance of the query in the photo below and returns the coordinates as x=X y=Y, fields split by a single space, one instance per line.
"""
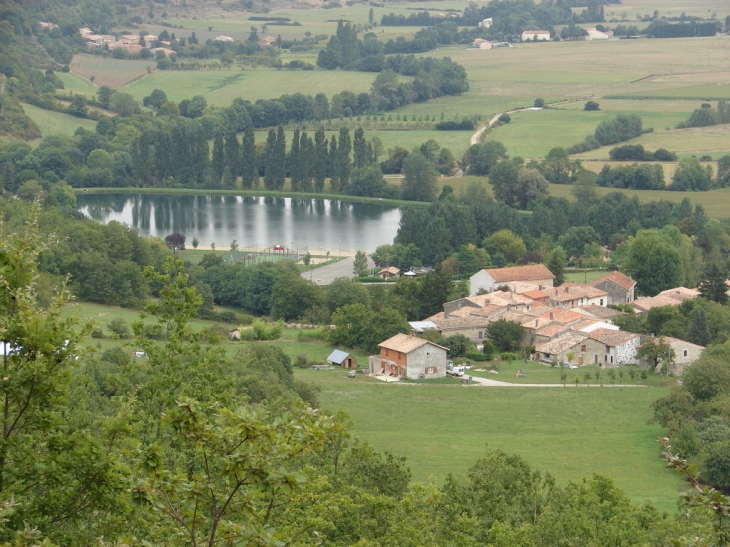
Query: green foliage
x=654 y=263
x=505 y=335
x=556 y=264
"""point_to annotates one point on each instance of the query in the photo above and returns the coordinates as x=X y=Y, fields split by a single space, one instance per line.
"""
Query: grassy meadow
x=569 y=432
x=51 y=122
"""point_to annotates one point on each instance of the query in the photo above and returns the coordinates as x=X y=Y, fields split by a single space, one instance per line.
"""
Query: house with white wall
x=491 y=279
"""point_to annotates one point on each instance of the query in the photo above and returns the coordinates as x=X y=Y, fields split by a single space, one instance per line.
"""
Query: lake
x=307 y=224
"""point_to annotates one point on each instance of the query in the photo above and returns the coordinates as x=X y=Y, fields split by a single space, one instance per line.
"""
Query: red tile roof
x=520 y=273
x=618 y=278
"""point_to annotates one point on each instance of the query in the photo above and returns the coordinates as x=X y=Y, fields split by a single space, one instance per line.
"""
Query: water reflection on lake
x=311 y=223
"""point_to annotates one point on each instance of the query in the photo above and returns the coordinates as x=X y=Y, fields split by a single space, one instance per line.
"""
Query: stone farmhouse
x=536 y=275
x=620 y=288
x=685 y=353
x=406 y=356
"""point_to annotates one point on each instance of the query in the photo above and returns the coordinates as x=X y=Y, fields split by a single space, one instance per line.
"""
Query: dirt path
x=485 y=382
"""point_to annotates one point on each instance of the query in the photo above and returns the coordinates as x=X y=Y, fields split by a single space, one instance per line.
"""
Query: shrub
x=301 y=360
x=119 y=327
x=97 y=333
x=265 y=331
x=591 y=105
x=507 y=356
x=305 y=335
x=504 y=118
x=463 y=125
x=478 y=357
x=539 y=103
x=662 y=154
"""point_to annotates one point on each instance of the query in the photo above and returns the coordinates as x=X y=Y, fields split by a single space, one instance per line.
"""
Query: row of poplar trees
x=309 y=163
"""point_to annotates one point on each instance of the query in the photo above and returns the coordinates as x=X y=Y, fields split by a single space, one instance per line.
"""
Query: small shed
x=342 y=358
x=235 y=334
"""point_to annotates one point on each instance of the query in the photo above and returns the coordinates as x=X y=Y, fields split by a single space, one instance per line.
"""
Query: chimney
x=567 y=289
x=537 y=322
x=509 y=307
x=552 y=316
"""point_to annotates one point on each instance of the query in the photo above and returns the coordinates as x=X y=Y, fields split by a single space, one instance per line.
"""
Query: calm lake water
x=252 y=221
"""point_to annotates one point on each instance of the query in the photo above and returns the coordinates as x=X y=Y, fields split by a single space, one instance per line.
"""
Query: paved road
x=327 y=274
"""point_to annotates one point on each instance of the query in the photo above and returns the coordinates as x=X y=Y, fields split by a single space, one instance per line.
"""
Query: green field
x=76 y=85
x=56 y=122
x=569 y=432
x=220 y=87
x=109 y=71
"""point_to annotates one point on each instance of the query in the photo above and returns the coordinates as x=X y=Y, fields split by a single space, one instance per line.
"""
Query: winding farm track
x=485 y=382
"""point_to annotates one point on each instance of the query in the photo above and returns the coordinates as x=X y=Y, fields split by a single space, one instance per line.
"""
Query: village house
x=391 y=272
x=558 y=349
x=166 y=51
x=685 y=353
x=473 y=327
x=491 y=279
x=342 y=359
x=620 y=287
x=485 y=23
x=599 y=312
x=538 y=296
x=572 y=295
x=670 y=297
x=49 y=26
x=268 y=41
x=497 y=299
x=536 y=35
x=406 y=356
x=610 y=348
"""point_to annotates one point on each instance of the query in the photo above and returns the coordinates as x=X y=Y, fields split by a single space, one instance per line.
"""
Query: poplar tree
x=294 y=163
x=218 y=157
x=306 y=162
x=232 y=154
x=270 y=168
x=360 y=146
x=319 y=169
x=249 y=169
x=344 y=147
x=280 y=158
x=334 y=165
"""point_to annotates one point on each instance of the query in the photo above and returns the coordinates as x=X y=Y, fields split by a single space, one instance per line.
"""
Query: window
x=583 y=347
x=601 y=301
x=612 y=358
x=428 y=353
x=481 y=334
x=605 y=358
x=387 y=353
x=684 y=353
x=430 y=370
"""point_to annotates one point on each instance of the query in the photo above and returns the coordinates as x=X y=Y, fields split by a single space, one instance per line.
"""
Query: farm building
x=620 y=287
x=406 y=356
x=595 y=34
x=485 y=23
x=489 y=280
x=343 y=359
x=536 y=35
